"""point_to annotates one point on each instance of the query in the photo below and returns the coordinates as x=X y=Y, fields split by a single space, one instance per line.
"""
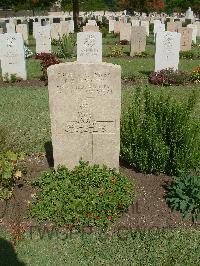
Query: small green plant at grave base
x=142 y=54
x=6 y=77
x=168 y=77
x=66 y=46
x=195 y=77
x=54 y=42
x=159 y=134
x=104 y=32
x=116 y=50
x=187 y=54
x=183 y=195
x=85 y=196
x=10 y=171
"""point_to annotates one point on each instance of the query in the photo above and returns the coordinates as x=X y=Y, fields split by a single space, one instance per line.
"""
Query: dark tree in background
x=75 y=14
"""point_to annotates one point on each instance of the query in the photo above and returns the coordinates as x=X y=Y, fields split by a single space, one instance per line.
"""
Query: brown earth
x=150 y=211
x=22 y=83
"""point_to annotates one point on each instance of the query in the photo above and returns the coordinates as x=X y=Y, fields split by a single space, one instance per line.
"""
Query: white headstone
x=12 y=55
x=146 y=25
x=89 y=47
x=10 y=27
x=23 y=29
x=111 y=25
x=194 y=32
x=43 y=39
x=167 y=50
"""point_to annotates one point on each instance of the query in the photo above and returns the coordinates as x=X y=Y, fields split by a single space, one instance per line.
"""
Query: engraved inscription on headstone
x=89 y=47
x=12 y=55
x=85 y=103
x=167 y=50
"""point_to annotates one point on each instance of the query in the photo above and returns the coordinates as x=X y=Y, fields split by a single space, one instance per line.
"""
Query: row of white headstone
x=89 y=50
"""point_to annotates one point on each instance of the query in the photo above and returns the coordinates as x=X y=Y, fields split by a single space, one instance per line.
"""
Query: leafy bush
x=47 y=61
x=66 y=46
x=54 y=42
x=160 y=134
x=87 y=195
x=116 y=51
x=168 y=77
x=104 y=32
x=189 y=54
x=195 y=77
x=184 y=195
x=9 y=173
x=27 y=51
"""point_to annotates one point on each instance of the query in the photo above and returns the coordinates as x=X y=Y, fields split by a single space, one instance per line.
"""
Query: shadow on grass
x=8 y=255
x=49 y=153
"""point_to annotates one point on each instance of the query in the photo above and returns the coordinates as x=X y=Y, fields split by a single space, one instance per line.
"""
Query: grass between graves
x=25 y=113
x=165 y=247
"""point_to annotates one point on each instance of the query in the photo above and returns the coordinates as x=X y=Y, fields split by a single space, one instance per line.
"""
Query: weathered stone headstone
x=116 y=27
x=125 y=32
x=89 y=47
x=10 y=27
x=85 y=103
x=135 y=22
x=35 y=27
x=91 y=22
x=90 y=28
x=111 y=25
x=171 y=26
x=146 y=25
x=12 y=55
x=43 y=39
x=167 y=50
x=194 y=32
x=55 y=31
x=158 y=27
x=23 y=29
x=1 y=30
x=186 y=38
x=198 y=28
x=64 y=28
x=138 y=40
x=189 y=14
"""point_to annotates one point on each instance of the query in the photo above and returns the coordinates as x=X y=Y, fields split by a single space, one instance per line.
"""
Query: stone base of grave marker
x=85 y=107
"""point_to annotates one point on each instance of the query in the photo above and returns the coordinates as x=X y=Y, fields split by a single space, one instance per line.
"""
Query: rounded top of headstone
x=189 y=9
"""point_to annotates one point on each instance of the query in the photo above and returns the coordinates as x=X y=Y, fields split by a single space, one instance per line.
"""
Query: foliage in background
x=87 y=195
x=9 y=173
x=160 y=134
x=168 y=77
x=116 y=50
x=47 y=60
x=195 y=77
x=184 y=195
x=190 y=54
x=66 y=46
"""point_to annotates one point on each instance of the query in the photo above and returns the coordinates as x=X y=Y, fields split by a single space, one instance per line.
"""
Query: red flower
x=109 y=218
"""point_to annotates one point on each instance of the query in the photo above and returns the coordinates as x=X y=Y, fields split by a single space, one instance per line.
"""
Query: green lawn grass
x=165 y=247
x=24 y=113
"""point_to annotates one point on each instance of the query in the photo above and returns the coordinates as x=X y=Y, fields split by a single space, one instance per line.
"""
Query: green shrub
x=187 y=54
x=160 y=134
x=87 y=195
x=66 y=47
x=116 y=50
x=104 y=32
x=184 y=195
x=9 y=172
x=195 y=77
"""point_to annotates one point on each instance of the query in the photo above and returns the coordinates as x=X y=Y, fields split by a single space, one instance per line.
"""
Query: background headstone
x=167 y=50
x=12 y=55
x=43 y=39
x=89 y=47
